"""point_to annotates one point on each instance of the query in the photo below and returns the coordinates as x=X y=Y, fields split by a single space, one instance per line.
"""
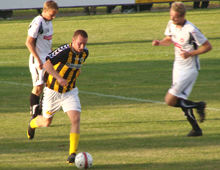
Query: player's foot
x=71 y=158
x=30 y=131
x=201 y=110
x=194 y=133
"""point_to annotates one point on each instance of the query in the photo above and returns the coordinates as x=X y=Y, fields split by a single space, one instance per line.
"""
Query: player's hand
x=184 y=54
x=39 y=64
x=155 y=42
x=62 y=82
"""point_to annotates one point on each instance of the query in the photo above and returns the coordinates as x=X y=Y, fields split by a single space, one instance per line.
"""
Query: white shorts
x=183 y=82
x=36 y=74
x=53 y=101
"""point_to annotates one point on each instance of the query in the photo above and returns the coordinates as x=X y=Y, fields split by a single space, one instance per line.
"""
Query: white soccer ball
x=83 y=160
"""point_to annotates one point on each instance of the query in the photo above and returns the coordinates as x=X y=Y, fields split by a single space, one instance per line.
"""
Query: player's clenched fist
x=155 y=42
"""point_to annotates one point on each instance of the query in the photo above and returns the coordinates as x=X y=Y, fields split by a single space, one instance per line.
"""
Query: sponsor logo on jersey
x=46 y=30
x=177 y=45
x=48 y=37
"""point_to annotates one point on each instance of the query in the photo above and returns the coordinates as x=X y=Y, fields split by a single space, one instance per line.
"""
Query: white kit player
x=186 y=39
x=39 y=43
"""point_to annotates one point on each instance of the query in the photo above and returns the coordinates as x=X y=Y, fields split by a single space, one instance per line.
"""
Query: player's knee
x=37 y=90
x=76 y=119
x=168 y=101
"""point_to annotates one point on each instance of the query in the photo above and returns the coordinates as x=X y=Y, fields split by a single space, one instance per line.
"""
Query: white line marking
x=13 y=83
x=20 y=61
x=106 y=95
x=122 y=97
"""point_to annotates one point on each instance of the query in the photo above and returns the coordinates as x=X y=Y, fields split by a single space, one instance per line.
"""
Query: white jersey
x=188 y=38
x=43 y=31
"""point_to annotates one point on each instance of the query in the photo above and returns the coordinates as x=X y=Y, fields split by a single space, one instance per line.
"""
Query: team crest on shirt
x=81 y=60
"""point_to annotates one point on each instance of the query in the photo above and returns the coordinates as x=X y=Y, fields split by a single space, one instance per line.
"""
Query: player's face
x=79 y=43
x=49 y=15
x=176 y=18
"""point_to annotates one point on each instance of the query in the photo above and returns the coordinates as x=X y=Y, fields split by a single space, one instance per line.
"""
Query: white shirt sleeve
x=168 y=29
x=34 y=27
x=198 y=36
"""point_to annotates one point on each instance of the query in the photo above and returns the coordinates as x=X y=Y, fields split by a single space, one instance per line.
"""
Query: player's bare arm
x=203 y=49
x=165 y=42
x=31 y=45
x=49 y=68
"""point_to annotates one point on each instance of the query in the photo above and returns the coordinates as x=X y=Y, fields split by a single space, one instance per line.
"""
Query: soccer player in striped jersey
x=39 y=43
x=63 y=66
x=186 y=38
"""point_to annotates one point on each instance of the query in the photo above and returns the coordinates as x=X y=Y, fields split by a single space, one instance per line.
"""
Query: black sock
x=34 y=104
x=185 y=103
x=34 y=99
x=191 y=118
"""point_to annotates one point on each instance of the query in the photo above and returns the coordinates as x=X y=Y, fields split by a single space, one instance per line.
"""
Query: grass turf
x=124 y=122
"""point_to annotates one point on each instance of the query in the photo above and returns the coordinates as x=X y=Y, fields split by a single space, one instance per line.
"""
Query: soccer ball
x=83 y=160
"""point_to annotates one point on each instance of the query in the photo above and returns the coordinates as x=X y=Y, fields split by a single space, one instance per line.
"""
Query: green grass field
x=124 y=122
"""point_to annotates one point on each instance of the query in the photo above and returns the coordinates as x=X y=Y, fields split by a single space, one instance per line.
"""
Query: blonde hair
x=50 y=5
x=179 y=7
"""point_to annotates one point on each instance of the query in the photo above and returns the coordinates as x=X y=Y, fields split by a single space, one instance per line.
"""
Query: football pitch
x=124 y=121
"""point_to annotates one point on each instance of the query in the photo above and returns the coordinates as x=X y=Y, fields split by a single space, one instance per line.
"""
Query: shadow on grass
x=147 y=80
x=107 y=142
x=197 y=165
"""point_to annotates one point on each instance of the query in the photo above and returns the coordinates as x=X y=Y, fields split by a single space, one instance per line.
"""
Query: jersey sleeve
x=198 y=36
x=58 y=55
x=35 y=27
x=168 y=29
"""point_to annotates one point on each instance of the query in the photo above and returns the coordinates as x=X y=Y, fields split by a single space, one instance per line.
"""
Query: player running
x=63 y=66
x=186 y=38
x=39 y=43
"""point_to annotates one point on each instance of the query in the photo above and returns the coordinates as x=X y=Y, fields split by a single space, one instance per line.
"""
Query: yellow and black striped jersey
x=67 y=63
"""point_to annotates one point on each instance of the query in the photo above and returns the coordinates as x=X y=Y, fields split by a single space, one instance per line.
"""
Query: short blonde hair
x=178 y=7
x=50 y=5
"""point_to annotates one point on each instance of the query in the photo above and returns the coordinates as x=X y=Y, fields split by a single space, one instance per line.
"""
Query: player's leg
x=174 y=101
x=74 y=134
x=178 y=94
x=35 y=105
x=196 y=131
x=51 y=104
x=187 y=104
x=71 y=105
x=38 y=85
x=177 y=97
x=36 y=122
